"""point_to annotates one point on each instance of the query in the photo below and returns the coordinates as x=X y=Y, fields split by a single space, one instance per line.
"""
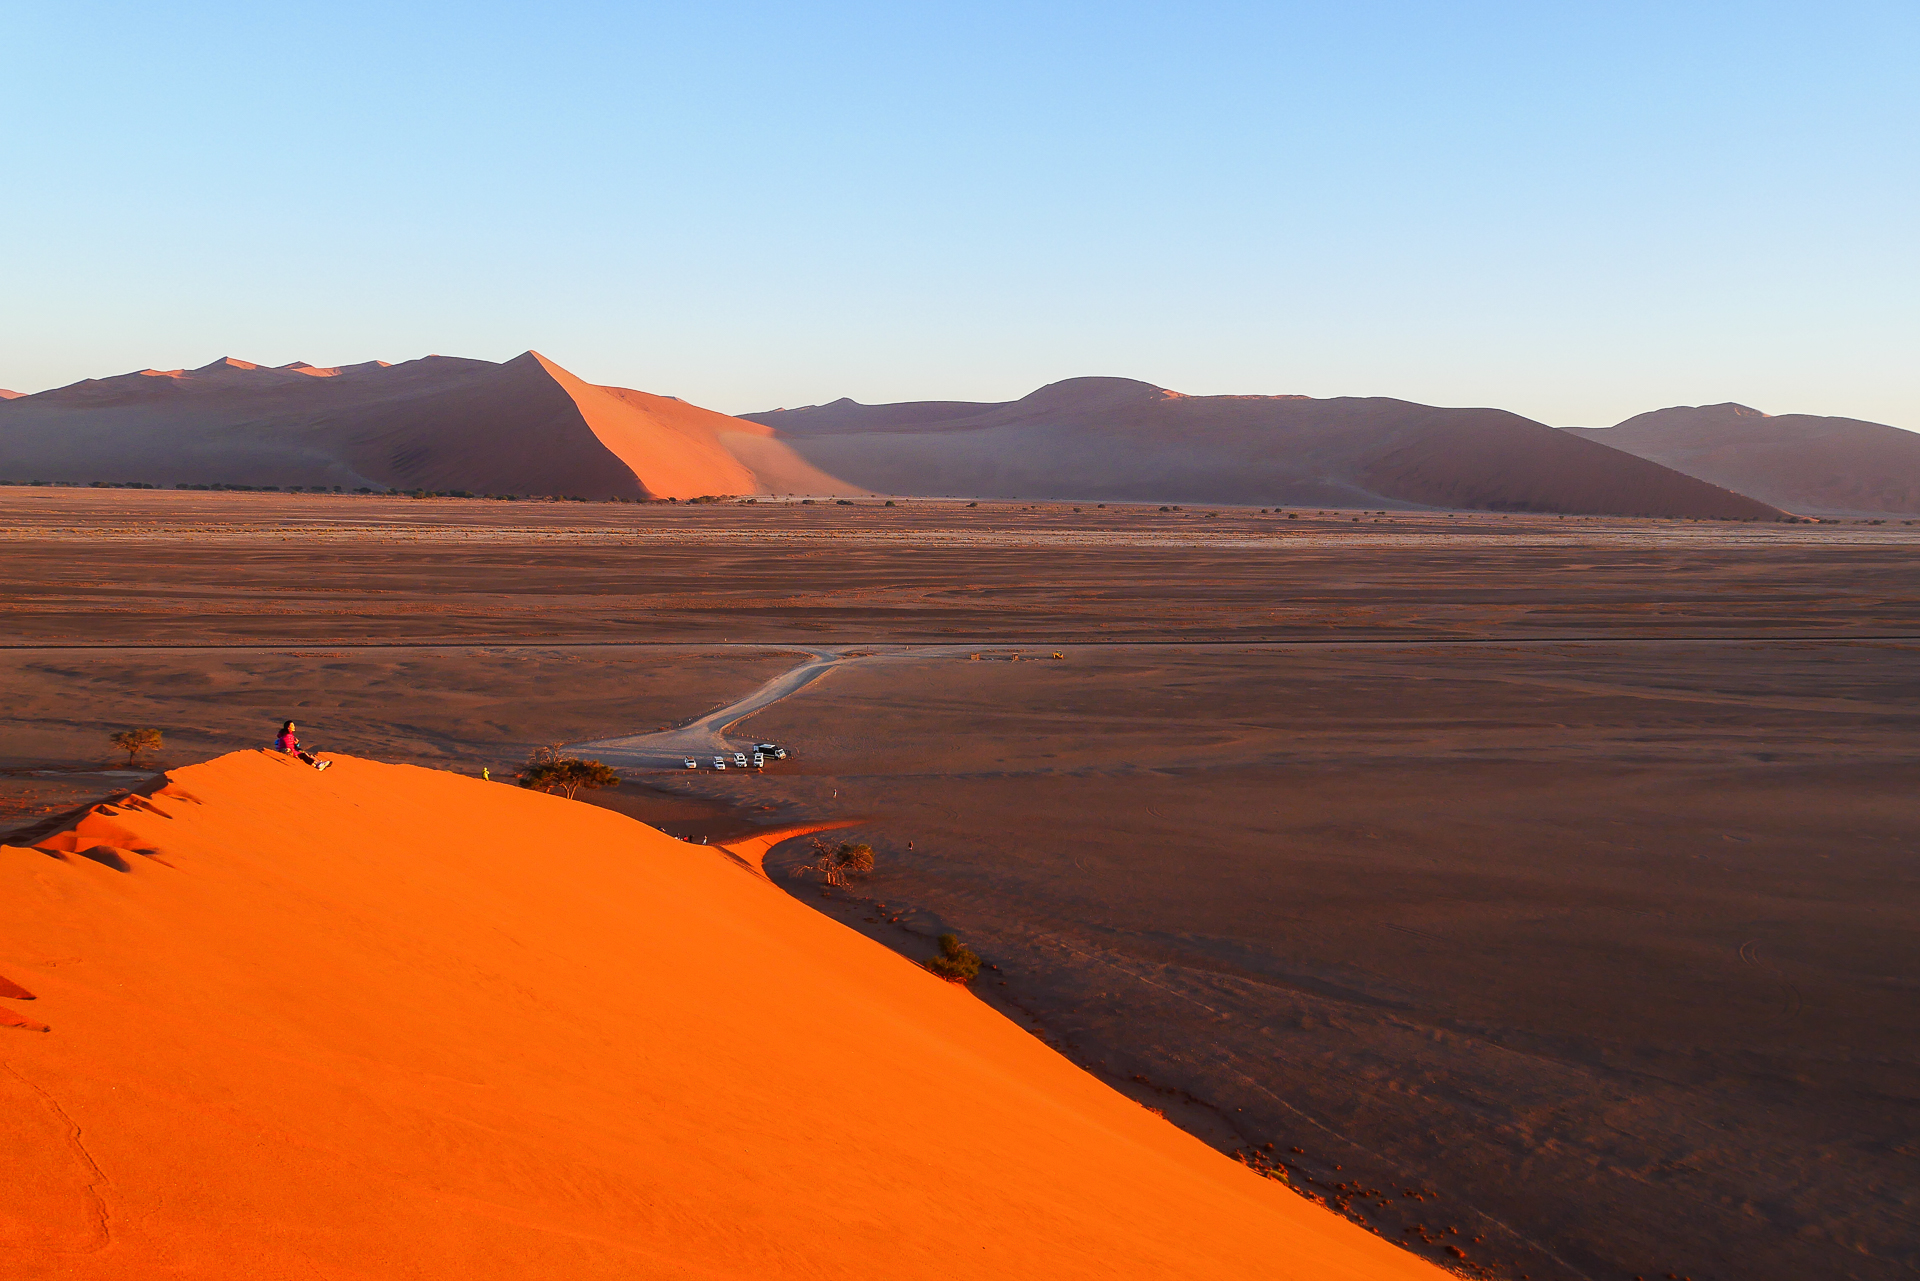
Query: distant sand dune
x=529 y=427
x=394 y=1022
x=1114 y=438
x=441 y=423
x=1821 y=466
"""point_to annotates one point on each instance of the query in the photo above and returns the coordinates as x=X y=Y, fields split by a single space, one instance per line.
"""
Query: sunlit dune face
x=385 y=1021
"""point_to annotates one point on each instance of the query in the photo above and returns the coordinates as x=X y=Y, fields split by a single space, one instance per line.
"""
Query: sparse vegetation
x=836 y=864
x=548 y=771
x=956 y=962
x=135 y=742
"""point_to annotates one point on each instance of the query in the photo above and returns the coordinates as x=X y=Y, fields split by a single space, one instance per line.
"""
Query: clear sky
x=1577 y=211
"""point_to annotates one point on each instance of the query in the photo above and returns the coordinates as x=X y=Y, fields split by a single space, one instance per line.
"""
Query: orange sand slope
x=386 y=1022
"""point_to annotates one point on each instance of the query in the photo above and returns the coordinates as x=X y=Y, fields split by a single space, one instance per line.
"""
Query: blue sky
x=1575 y=211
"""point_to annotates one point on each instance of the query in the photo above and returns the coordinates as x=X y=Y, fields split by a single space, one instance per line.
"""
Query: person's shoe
x=322 y=764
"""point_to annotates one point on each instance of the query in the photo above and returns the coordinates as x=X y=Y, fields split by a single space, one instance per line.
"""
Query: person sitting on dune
x=291 y=746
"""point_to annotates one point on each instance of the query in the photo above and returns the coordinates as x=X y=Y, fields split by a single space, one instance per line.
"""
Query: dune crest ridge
x=393 y=1022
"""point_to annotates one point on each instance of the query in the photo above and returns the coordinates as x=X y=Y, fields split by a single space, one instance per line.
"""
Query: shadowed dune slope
x=1121 y=439
x=1804 y=462
x=386 y=1022
x=525 y=426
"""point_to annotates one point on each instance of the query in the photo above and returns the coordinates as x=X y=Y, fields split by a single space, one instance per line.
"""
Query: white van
x=719 y=762
x=740 y=759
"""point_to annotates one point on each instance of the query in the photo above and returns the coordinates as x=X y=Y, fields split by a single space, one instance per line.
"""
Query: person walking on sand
x=291 y=746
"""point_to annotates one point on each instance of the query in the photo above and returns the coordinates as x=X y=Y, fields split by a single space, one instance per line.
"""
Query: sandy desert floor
x=1561 y=872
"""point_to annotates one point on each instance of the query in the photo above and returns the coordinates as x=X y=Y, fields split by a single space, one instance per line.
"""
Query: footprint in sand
x=14 y=992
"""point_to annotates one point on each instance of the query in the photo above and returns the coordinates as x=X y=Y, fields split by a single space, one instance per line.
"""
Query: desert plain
x=1536 y=891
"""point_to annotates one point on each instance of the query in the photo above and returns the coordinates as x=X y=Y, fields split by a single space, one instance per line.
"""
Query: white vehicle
x=759 y=760
x=740 y=759
x=774 y=750
x=719 y=762
x=692 y=764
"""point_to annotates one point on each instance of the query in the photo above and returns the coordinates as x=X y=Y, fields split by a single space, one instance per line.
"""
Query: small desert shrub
x=956 y=962
x=135 y=741
x=836 y=864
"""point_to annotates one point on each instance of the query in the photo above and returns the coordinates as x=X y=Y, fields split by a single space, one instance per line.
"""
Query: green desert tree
x=957 y=962
x=567 y=775
x=134 y=742
x=837 y=864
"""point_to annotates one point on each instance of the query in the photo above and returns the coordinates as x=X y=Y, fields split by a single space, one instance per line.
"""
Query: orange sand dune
x=386 y=1022
x=684 y=451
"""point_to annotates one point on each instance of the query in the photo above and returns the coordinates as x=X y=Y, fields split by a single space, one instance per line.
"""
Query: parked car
x=719 y=762
x=759 y=760
x=740 y=759
x=692 y=764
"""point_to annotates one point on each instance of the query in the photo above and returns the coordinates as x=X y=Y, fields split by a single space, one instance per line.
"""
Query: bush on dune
x=957 y=963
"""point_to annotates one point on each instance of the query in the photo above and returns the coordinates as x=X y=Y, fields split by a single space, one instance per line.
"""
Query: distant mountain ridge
x=524 y=426
x=529 y=426
x=1121 y=439
x=1804 y=462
